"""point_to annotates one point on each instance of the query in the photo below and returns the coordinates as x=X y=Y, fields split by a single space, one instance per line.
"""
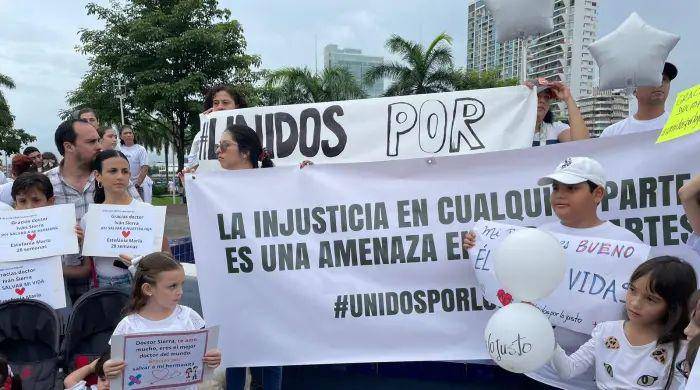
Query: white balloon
x=519 y=338
x=521 y=18
x=529 y=264
x=633 y=55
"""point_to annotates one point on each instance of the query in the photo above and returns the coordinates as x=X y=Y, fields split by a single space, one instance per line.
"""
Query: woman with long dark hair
x=112 y=174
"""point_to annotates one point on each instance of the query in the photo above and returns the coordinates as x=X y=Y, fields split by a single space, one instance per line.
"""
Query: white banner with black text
x=363 y=262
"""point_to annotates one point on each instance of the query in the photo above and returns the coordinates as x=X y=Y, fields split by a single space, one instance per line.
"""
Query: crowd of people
x=654 y=347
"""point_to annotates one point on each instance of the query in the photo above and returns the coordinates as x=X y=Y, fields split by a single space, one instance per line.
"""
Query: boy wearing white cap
x=578 y=187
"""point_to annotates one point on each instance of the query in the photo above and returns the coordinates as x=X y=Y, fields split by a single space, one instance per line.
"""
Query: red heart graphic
x=31 y=236
x=125 y=233
x=26 y=373
x=19 y=291
x=504 y=297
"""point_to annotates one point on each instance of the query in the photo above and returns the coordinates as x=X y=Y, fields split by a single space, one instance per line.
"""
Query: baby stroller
x=90 y=325
x=29 y=332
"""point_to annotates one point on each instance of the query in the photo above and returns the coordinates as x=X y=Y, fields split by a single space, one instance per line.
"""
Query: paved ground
x=176 y=223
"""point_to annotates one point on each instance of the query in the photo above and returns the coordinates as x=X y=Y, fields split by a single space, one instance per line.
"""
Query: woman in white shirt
x=547 y=131
x=137 y=156
x=112 y=174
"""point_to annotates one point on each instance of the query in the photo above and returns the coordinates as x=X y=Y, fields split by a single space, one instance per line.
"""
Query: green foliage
x=423 y=70
x=165 y=53
x=299 y=85
x=471 y=79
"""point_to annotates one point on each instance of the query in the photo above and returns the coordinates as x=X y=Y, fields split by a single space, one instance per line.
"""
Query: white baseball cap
x=576 y=170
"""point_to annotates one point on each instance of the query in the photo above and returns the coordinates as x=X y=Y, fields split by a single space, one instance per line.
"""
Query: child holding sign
x=154 y=307
x=689 y=195
x=642 y=351
x=578 y=187
x=112 y=174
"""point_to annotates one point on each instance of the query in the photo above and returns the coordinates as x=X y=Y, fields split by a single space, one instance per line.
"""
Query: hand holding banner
x=162 y=360
x=112 y=230
x=37 y=233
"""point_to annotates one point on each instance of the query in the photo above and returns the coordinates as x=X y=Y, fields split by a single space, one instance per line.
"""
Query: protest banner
x=363 y=262
x=162 y=360
x=594 y=285
x=685 y=116
x=390 y=128
x=40 y=279
x=37 y=233
x=111 y=230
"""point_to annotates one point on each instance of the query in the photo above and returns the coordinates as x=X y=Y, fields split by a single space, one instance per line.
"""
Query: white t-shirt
x=6 y=193
x=137 y=156
x=694 y=242
x=104 y=266
x=620 y=365
x=5 y=206
x=549 y=133
x=182 y=319
x=631 y=125
x=3 y=178
x=569 y=340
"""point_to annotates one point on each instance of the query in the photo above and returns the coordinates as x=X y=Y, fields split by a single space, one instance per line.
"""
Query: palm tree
x=299 y=85
x=422 y=70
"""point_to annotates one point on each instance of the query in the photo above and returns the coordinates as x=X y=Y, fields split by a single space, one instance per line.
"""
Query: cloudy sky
x=38 y=39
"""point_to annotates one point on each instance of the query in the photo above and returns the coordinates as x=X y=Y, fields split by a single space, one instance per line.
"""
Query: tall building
x=483 y=52
x=561 y=55
x=357 y=63
x=602 y=109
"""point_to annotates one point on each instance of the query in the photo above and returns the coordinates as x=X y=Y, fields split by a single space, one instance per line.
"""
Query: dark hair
x=103 y=130
x=15 y=382
x=591 y=185
x=85 y=111
x=147 y=271
x=49 y=156
x=235 y=95
x=21 y=164
x=248 y=142
x=548 y=117
x=100 y=365
x=674 y=281
x=29 y=150
x=121 y=130
x=49 y=161
x=99 y=196
x=30 y=180
x=65 y=132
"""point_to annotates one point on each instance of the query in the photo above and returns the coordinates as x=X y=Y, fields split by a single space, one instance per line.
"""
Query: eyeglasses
x=224 y=145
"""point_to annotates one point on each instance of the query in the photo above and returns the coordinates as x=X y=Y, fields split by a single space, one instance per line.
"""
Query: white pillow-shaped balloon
x=633 y=55
x=521 y=18
x=519 y=338
x=529 y=264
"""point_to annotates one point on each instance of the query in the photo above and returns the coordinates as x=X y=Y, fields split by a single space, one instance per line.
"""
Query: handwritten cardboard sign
x=163 y=360
x=40 y=279
x=112 y=230
x=685 y=117
x=37 y=233
x=594 y=285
